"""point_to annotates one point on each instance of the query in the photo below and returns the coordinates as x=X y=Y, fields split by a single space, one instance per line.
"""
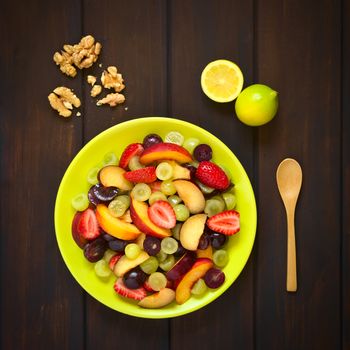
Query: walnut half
x=112 y=100
x=111 y=79
x=62 y=99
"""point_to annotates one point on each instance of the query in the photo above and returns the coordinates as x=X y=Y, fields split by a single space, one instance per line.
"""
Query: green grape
x=150 y=265
x=230 y=200
x=92 y=176
x=190 y=144
x=118 y=206
x=181 y=212
x=132 y=251
x=110 y=159
x=80 y=202
x=156 y=196
x=205 y=189
x=168 y=188
x=220 y=258
x=102 y=269
x=141 y=192
x=168 y=263
x=134 y=163
x=213 y=207
x=199 y=287
x=108 y=255
x=174 y=199
x=176 y=231
x=169 y=245
x=174 y=137
x=157 y=281
x=161 y=256
x=164 y=171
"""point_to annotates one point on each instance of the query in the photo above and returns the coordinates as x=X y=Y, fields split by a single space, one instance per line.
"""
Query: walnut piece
x=96 y=90
x=91 y=80
x=82 y=55
x=111 y=99
x=111 y=79
x=62 y=99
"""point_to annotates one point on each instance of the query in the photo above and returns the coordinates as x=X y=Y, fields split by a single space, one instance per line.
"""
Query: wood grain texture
x=345 y=176
x=200 y=34
x=133 y=35
x=298 y=54
x=41 y=304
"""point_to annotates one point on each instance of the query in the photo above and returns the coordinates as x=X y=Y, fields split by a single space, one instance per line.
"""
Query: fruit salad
x=158 y=220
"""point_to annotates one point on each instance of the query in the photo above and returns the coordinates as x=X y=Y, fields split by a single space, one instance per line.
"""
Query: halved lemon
x=222 y=80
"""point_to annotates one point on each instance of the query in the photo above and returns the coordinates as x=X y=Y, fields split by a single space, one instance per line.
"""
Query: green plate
x=115 y=139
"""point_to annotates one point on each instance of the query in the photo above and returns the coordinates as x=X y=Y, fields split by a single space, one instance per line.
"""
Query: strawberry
x=88 y=225
x=113 y=260
x=134 y=149
x=145 y=175
x=226 y=222
x=162 y=214
x=121 y=289
x=210 y=174
x=147 y=286
x=155 y=186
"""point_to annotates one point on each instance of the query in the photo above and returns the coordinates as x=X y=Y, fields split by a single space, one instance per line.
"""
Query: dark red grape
x=92 y=196
x=214 y=278
x=192 y=170
x=105 y=194
x=107 y=237
x=204 y=242
x=95 y=250
x=180 y=250
x=134 y=278
x=117 y=245
x=151 y=245
x=217 y=239
x=202 y=152
x=150 y=140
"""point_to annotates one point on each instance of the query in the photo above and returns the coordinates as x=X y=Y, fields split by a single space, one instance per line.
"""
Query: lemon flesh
x=222 y=80
x=256 y=105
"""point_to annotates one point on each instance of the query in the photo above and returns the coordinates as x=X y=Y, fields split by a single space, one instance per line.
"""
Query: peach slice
x=205 y=253
x=125 y=264
x=114 y=226
x=156 y=300
x=165 y=151
x=191 y=195
x=198 y=270
x=192 y=230
x=139 y=215
x=179 y=172
x=112 y=175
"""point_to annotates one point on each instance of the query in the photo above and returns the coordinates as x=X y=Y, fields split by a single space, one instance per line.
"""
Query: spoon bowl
x=289 y=178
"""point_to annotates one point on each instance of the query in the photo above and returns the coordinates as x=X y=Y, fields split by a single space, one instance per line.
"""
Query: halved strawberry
x=121 y=289
x=144 y=175
x=113 y=260
x=162 y=214
x=155 y=186
x=88 y=225
x=210 y=174
x=226 y=222
x=134 y=149
x=147 y=286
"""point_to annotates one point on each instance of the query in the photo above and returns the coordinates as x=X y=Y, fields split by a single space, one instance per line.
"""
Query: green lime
x=256 y=105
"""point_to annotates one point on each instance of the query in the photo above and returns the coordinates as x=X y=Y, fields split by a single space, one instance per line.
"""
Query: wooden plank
x=200 y=33
x=298 y=54
x=133 y=38
x=41 y=304
x=346 y=176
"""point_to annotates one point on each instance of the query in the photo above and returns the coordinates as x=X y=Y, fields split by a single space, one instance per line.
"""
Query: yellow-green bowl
x=115 y=139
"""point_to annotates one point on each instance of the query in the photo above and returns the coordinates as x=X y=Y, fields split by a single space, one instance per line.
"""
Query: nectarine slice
x=191 y=195
x=114 y=226
x=125 y=264
x=192 y=230
x=198 y=270
x=112 y=175
x=164 y=297
x=205 y=253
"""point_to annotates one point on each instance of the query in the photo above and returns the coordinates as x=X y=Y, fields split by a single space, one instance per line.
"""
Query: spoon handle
x=291 y=254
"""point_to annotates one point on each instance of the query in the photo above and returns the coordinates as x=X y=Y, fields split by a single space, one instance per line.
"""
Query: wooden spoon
x=289 y=178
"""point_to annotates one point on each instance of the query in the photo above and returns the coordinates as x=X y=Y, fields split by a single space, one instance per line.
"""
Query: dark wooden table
x=300 y=48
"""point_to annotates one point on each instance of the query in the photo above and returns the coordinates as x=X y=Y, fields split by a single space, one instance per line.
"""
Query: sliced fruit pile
x=158 y=219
